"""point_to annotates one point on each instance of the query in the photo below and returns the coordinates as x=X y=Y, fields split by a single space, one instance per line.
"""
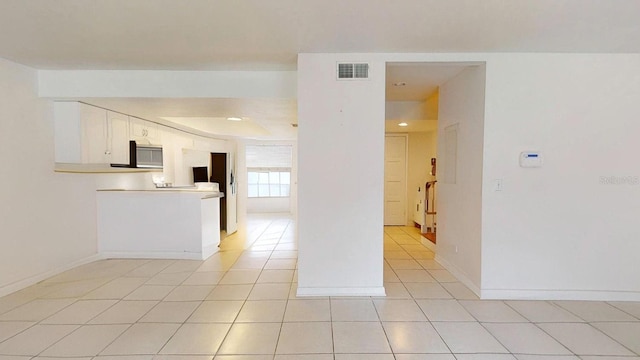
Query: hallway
x=240 y=304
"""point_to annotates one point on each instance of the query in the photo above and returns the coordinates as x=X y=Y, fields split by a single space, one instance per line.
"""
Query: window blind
x=269 y=156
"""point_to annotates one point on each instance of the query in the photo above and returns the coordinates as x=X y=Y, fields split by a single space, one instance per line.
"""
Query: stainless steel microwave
x=149 y=156
x=143 y=156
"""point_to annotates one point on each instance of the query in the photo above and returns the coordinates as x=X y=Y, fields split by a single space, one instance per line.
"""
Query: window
x=269 y=170
x=269 y=182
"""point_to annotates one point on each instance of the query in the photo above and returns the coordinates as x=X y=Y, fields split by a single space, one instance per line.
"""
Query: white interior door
x=395 y=180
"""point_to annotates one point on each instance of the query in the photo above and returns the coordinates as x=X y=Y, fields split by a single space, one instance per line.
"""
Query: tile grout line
x=249 y=294
x=589 y=323
x=151 y=309
x=286 y=305
x=541 y=329
x=624 y=311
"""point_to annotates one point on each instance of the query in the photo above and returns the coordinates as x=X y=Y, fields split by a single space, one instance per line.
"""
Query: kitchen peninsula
x=167 y=223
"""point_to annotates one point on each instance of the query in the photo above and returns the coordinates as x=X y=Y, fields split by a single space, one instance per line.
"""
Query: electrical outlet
x=455 y=249
x=497 y=185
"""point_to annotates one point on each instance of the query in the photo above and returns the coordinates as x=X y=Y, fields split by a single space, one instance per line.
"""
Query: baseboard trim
x=538 y=294
x=152 y=255
x=24 y=283
x=209 y=250
x=428 y=244
x=459 y=274
x=588 y=295
x=339 y=291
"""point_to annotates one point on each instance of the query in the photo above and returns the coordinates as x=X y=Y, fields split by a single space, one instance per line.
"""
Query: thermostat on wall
x=530 y=159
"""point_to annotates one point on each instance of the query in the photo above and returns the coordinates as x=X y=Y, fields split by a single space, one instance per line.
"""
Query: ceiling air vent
x=353 y=71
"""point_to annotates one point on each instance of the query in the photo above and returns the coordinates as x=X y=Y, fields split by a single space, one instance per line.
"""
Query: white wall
x=167 y=84
x=460 y=204
x=553 y=232
x=341 y=168
x=422 y=116
x=407 y=110
x=47 y=219
x=422 y=147
x=413 y=110
x=556 y=231
x=269 y=205
x=191 y=158
x=138 y=181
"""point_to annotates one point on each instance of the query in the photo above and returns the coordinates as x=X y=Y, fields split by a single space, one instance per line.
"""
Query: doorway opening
x=438 y=109
x=412 y=94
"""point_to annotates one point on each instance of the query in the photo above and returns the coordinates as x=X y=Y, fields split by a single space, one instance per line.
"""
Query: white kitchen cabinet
x=118 y=137
x=163 y=224
x=144 y=131
x=93 y=122
x=86 y=134
x=79 y=131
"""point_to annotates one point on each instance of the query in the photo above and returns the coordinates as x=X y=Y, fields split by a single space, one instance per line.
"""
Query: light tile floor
x=240 y=304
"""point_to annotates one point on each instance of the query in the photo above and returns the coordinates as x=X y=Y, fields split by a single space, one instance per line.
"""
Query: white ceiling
x=421 y=79
x=261 y=35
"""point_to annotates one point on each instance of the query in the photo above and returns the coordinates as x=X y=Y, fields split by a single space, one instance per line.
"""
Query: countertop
x=188 y=190
x=97 y=169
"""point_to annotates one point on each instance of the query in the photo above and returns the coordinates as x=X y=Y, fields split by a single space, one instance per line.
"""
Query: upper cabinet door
x=118 y=135
x=95 y=140
x=81 y=134
x=146 y=131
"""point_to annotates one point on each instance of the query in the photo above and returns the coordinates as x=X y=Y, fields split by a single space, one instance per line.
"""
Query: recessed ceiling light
x=234 y=119
x=403 y=124
x=401 y=83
